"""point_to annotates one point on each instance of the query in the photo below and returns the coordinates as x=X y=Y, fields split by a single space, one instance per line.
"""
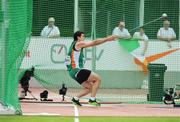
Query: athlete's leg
x=81 y=77
x=95 y=80
x=87 y=87
x=91 y=85
x=90 y=82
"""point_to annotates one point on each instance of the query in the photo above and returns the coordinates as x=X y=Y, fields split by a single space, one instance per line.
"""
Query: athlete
x=89 y=80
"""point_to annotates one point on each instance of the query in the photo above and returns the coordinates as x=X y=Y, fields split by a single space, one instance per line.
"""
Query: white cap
x=164 y=15
x=51 y=19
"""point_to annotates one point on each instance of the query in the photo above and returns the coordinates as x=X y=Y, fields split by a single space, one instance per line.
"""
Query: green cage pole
x=93 y=34
x=76 y=21
x=3 y=48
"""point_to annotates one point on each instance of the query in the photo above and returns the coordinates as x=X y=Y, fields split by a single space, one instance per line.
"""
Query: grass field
x=86 y=119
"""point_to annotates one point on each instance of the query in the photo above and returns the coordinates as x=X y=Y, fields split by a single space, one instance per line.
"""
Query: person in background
x=142 y=37
x=50 y=31
x=121 y=31
x=166 y=33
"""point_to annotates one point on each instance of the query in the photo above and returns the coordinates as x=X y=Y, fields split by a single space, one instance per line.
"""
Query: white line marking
x=76 y=114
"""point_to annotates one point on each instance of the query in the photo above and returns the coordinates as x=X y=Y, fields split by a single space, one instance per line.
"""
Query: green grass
x=86 y=119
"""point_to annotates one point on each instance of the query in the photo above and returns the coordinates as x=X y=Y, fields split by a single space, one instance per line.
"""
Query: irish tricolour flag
x=133 y=47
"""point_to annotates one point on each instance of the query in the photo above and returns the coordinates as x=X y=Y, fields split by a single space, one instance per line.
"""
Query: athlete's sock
x=92 y=98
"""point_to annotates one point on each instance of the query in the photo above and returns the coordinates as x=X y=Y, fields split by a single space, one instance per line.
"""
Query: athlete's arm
x=83 y=44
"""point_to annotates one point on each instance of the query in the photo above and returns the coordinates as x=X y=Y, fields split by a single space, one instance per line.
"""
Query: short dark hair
x=77 y=34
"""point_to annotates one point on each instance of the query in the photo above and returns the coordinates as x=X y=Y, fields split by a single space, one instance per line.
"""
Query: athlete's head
x=79 y=36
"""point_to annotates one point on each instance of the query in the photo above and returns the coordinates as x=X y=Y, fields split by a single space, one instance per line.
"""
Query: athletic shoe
x=76 y=102
x=94 y=102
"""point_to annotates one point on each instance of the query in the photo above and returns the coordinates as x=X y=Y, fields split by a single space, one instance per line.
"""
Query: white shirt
x=141 y=37
x=50 y=31
x=123 y=33
x=166 y=33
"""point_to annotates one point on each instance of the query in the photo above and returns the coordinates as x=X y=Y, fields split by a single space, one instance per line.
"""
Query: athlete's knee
x=98 y=78
x=88 y=86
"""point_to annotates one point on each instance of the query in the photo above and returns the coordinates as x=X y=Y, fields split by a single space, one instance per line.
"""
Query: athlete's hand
x=112 y=37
